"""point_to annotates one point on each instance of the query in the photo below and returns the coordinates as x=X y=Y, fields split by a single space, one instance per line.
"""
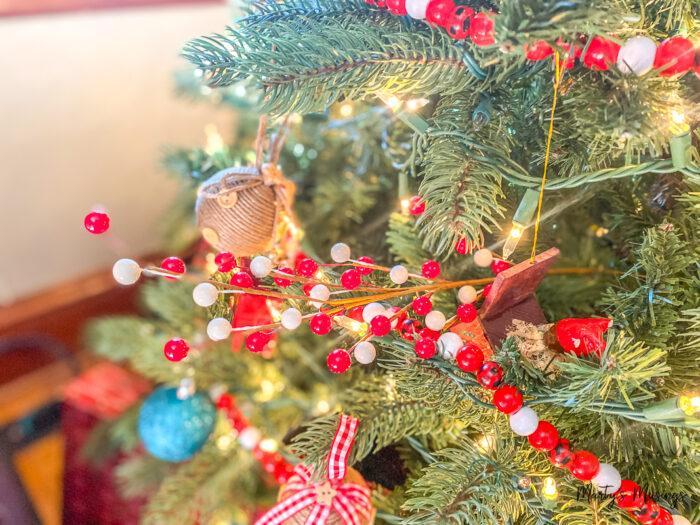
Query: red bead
x=571 y=54
x=466 y=313
x=490 y=375
x=487 y=289
x=562 y=454
x=408 y=328
x=425 y=348
x=350 y=279
x=499 y=266
x=256 y=341
x=225 y=401
x=380 y=325
x=427 y=333
x=364 y=270
x=647 y=513
x=601 y=53
x=584 y=466
x=544 y=438
x=438 y=12
x=469 y=358
x=225 y=262
x=307 y=268
x=307 y=287
x=96 y=222
x=356 y=313
x=430 y=269
x=459 y=23
x=675 y=55
x=173 y=264
x=338 y=361
x=664 y=518
x=415 y=205
x=283 y=471
x=282 y=282
x=321 y=324
x=481 y=30
x=176 y=349
x=398 y=7
x=242 y=280
x=507 y=399
x=422 y=305
x=630 y=496
x=538 y=51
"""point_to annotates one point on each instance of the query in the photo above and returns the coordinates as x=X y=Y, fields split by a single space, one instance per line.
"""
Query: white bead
x=524 y=422
x=483 y=257
x=435 y=320
x=216 y=391
x=219 y=329
x=608 y=479
x=365 y=352
x=260 y=266
x=416 y=8
x=372 y=310
x=448 y=344
x=398 y=274
x=249 y=438
x=636 y=55
x=291 y=318
x=321 y=293
x=205 y=294
x=340 y=252
x=680 y=520
x=186 y=388
x=389 y=314
x=467 y=294
x=126 y=271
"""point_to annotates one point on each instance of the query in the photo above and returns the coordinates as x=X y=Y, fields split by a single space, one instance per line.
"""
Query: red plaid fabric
x=349 y=500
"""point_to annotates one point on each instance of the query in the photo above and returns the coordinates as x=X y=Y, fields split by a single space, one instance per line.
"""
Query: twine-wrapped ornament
x=247 y=210
x=341 y=499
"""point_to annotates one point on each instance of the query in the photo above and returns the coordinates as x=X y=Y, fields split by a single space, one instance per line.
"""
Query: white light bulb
x=372 y=310
x=205 y=294
x=467 y=294
x=260 y=266
x=448 y=344
x=398 y=274
x=340 y=252
x=291 y=318
x=126 y=271
x=483 y=257
x=365 y=352
x=219 y=329
x=435 y=320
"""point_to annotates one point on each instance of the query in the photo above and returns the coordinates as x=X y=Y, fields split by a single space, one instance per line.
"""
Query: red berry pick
x=242 y=280
x=380 y=325
x=176 y=349
x=362 y=269
x=545 y=437
x=466 y=312
x=256 y=341
x=425 y=348
x=321 y=324
x=415 y=205
x=338 y=361
x=307 y=268
x=422 y=305
x=96 y=222
x=584 y=466
x=469 y=358
x=173 y=264
x=499 y=266
x=430 y=269
x=225 y=262
x=507 y=399
x=281 y=281
x=350 y=279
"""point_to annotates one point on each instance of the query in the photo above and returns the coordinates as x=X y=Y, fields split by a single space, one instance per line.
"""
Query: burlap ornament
x=248 y=210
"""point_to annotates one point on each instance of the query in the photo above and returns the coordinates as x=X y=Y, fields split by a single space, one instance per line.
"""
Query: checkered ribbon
x=350 y=500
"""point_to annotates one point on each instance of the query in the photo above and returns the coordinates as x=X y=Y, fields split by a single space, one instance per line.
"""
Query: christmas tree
x=518 y=342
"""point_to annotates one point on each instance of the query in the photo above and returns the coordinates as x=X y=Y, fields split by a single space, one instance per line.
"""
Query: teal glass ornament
x=175 y=429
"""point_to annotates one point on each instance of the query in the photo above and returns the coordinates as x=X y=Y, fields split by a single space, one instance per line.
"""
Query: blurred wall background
x=86 y=106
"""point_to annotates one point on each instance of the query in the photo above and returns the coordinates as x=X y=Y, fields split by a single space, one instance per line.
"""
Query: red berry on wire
x=338 y=361
x=350 y=279
x=225 y=262
x=281 y=281
x=96 y=222
x=307 y=268
x=415 y=205
x=225 y=401
x=321 y=324
x=425 y=348
x=356 y=313
x=422 y=305
x=469 y=358
x=430 y=269
x=173 y=264
x=362 y=269
x=499 y=266
x=487 y=289
x=176 y=349
x=466 y=312
x=427 y=333
x=242 y=280
x=380 y=325
x=256 y=341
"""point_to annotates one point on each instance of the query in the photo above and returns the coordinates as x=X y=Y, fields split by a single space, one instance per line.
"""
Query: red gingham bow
x=345 y=498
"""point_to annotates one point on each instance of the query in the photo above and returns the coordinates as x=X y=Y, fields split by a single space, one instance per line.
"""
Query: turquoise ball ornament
x=175 y=429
